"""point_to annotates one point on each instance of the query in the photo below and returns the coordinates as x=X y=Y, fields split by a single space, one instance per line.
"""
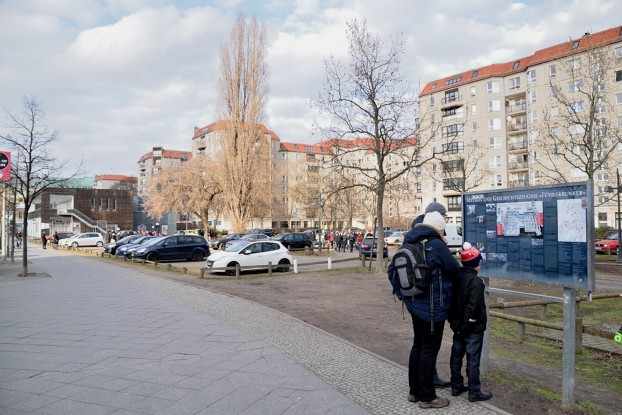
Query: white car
x=83 y=239
x=396 y=238
x=250 y=255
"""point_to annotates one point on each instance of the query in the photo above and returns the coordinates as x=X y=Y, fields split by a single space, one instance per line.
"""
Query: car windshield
x=149 y=240
x=613 y=236
x=236 y=246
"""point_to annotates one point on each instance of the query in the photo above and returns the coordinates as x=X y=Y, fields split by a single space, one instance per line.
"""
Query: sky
x=116 y=77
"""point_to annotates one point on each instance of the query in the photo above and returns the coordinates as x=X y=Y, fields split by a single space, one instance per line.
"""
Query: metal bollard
x=295 y=266
x=237 y=270
x=269 y=268
x=330 y=263
x=522 y=332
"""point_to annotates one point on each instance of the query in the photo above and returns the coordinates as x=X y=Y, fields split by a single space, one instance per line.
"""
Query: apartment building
x=155 y=160
x=490 y=121
x=116 y=181
x=149 y=165
x=301 y=180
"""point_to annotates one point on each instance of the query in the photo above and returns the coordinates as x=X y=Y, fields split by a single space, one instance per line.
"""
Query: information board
x=535 y=234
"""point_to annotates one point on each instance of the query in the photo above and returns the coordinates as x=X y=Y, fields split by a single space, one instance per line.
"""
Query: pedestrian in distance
x=431 y=268
x=44 y=240
x=468 y=322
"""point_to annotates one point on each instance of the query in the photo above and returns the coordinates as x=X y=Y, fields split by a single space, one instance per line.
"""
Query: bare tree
x=579 y=127
x=460 y=169
x=195 y=187
x=374 y=117
x=246 y=161
x=34 y=169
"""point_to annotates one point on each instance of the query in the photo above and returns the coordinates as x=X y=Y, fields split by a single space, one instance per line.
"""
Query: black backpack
x=409 y=272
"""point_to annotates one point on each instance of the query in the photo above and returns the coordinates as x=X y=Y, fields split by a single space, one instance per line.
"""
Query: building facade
x=80 y=210
x=492 y=121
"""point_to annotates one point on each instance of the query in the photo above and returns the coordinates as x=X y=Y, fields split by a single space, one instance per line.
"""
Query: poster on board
x=533 y=234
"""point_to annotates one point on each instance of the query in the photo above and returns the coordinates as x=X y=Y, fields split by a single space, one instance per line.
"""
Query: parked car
x=609 y=245
x=297 y=240
x=112 y=247
x=222 y=242
x=254 y=236
x=83 y=239
x=251 y=255
x=369 y=248
x=174 y=248
x=395 y=238
x=266 y=231
x=64 y=235
x=126 y=249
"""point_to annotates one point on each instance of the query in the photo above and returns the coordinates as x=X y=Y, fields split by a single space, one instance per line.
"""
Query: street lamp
x=618 y=188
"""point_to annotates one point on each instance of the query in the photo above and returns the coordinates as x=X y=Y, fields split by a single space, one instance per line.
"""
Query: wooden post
x=522 y=331
x=330 y=263
x=363 y=260
x=269 y=268
x=202 y=273
x=579 y=329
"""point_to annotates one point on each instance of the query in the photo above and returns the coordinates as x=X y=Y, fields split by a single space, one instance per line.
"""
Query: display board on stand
x=535 y=234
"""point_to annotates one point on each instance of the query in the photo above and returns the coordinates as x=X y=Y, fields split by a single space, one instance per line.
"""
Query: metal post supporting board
x=568 y=354
x=484 y=360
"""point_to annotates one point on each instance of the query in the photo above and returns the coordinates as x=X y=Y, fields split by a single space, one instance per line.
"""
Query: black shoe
x=440 y=383
x=479 y=396
x=413 y=398
x=457 y=390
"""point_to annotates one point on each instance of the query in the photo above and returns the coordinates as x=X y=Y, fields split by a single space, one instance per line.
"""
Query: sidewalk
x=98 y=338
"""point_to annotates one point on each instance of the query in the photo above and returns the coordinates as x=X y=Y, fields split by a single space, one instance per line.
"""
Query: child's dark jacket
x=468 y=311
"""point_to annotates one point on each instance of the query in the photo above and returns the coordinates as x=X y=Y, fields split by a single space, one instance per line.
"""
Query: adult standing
x=44 y=240
x=429 y=310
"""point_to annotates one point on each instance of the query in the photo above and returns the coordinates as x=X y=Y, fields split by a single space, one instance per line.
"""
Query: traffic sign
x=5 y=166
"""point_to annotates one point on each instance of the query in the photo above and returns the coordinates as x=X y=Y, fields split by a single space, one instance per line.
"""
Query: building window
x=494 y=124
x=473 y=91
x=454 y=203
x=552 y=70
x=452 y=165
x=619 y=98
x=93 y=203
x=114 y=204
x=602 y=216
x=575 y=86
x=531 y=75
x=475 y=73
x=577 y=106
x=516 y=65
x=494 y=105
x=452 y=148
x=431 y=100
x=474 y=125
x=531 y=96
x=515 y=83
x=418 y=186
x=499 y=180
x=473 y=109
x=618 y=52
x=453 y=183
x=494 y=143
x=492 y=87
x=575 y=44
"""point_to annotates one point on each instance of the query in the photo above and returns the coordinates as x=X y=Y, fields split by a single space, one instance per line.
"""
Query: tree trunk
x=204 y=220
x=380 y=228
x=25 y=243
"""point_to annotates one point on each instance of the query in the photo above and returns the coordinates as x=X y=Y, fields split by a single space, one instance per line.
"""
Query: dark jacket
x=433 y=305
x=468 y=311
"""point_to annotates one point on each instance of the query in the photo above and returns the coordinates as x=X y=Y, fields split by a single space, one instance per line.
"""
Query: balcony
x=519 y=183
x=518 y=146
x=518 y=165
x=516 y=108
x=517 y=127
x=451 y=100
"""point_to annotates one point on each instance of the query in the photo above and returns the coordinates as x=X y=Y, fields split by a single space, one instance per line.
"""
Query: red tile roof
x=603 y=38
x=221 y=124
x=168 y=154
x=304 y=148
x=116 y=178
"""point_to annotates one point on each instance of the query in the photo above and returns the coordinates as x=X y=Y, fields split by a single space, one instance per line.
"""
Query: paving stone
x=70 y=407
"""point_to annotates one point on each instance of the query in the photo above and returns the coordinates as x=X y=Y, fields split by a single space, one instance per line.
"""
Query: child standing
x=468 y=322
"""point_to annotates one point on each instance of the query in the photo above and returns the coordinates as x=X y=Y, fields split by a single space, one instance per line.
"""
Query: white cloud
x=118 y=76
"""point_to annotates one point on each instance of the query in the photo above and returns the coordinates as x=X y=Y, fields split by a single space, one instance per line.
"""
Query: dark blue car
x=369 y=248
x=127 y=248
x=174 y=248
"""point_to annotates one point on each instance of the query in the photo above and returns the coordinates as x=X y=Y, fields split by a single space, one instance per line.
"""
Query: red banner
x=5 y=166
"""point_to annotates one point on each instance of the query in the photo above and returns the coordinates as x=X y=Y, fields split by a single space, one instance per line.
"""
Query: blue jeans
x=471 y=345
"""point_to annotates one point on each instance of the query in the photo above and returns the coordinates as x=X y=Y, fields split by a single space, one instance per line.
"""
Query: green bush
x=601 y=232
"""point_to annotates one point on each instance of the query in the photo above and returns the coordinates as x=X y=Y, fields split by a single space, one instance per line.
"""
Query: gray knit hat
x=436 y=207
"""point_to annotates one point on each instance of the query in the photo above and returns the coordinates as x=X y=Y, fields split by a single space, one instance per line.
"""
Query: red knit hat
x=469 y=255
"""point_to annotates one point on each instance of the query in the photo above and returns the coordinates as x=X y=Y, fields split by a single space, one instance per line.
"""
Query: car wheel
x=231 y=265
x=284 y=265
x=152 y=257
x=99 y=244
x=197 y=256
x=75 y=245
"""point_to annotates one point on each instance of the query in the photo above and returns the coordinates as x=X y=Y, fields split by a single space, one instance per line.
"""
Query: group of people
x=455 y=294
x=343 y=241
x=49 y=239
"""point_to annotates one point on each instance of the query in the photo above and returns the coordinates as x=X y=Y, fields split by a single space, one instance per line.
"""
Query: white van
x=453 y=236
